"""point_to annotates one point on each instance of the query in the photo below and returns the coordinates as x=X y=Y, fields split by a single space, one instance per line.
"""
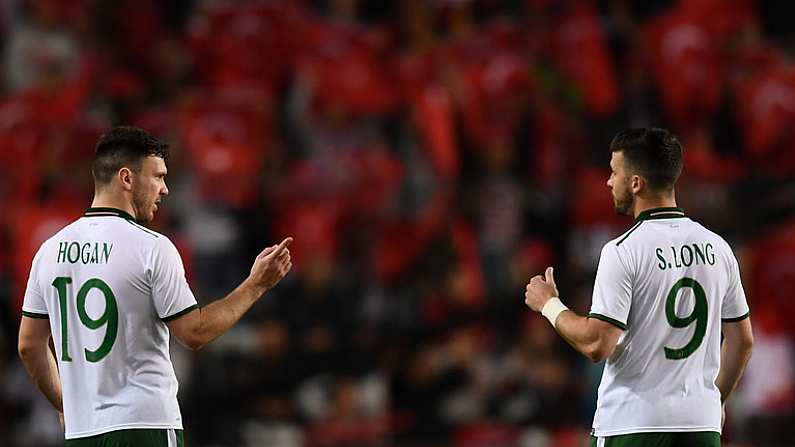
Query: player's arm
x=35 y=353
x=199 y=327
x=595 y=339
x=735 y=352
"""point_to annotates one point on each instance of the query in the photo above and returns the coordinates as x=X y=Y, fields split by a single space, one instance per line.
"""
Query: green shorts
x=139 y=437
x=679 y=439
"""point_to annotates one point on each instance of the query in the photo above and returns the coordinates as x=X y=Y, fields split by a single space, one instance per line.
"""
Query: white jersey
x=668 y=282
x=108 y=285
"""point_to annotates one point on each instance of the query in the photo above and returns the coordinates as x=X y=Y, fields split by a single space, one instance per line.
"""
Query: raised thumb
x=549 y=275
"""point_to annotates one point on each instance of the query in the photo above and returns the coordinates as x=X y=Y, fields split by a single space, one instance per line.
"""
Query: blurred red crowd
x=462 y=76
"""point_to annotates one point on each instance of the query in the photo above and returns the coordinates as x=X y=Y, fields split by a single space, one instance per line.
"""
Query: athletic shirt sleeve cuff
x=608 y=319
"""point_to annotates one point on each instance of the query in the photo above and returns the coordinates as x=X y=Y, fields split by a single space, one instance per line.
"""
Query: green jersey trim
x=652 y=214
x=736 y=319
x=107 y=211
x=130 y=436
x=142 y=228
x=682 y=439
x=180 y=313
x=599 y=433
x=631 y=230
x=35 y=315
x=118 y=427
x=661 y=213
x=607 y=319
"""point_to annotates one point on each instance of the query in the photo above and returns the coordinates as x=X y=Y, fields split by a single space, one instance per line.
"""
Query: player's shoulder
x=629 y=239
x=150 y=245
x=626 y=238
x=148 y=240
x=51 y=244
x=63 y=233
x=716 y=239
x=143 y=233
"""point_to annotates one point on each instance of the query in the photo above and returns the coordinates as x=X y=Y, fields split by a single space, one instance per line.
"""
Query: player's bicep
x=186 y=328
x=34 y=333
x=596 y=339
x=738 y=334
x=607 y=334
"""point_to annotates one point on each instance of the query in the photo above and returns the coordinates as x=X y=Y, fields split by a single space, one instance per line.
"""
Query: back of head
x=123 y=146
x=653 y=153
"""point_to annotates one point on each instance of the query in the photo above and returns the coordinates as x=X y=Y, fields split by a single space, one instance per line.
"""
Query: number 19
x=109 y=317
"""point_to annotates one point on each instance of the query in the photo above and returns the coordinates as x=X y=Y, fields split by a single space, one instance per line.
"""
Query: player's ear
x=637 y=184
x=125 y=178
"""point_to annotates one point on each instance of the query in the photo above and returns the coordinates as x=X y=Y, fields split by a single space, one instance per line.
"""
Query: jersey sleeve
x=612 y=291
x=735 y=306
x=170 y=290
x=33 y=304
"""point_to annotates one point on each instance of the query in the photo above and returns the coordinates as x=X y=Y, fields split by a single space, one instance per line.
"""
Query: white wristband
x=552 y=309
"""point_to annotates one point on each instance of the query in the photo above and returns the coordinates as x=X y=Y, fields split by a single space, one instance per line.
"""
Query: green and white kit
x=108 y=285
x=668 y=282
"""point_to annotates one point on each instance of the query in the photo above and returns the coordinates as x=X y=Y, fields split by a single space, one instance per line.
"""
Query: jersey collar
x=661 y=213
x=105 y=211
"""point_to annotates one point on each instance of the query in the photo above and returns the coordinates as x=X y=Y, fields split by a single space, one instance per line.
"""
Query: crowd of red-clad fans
x=428 y=157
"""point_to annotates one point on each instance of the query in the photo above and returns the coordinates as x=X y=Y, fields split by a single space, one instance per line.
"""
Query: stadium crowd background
x=428 y=157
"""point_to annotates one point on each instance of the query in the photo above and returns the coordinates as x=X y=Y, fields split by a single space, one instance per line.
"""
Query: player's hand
x=540 y=289
x=271 y=265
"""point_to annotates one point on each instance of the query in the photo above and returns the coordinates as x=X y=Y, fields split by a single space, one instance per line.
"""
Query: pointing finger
x=282 y=246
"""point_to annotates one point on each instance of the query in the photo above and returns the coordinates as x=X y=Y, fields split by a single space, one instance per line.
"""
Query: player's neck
x=645 y=204
x=112 y=201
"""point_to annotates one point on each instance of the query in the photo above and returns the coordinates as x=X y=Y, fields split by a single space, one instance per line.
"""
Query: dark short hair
x=124 y=146
x=654 y=154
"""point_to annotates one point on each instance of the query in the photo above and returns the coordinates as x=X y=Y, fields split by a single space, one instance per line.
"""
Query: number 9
x=699 y=315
